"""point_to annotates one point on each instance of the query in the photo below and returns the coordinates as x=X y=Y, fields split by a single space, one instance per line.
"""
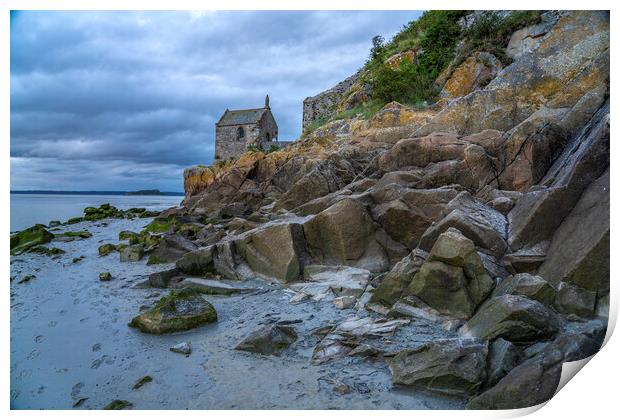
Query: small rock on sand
x=182 y=348
x=142 y=381
x=105 y=276
x=118 y=405
x=344 y=302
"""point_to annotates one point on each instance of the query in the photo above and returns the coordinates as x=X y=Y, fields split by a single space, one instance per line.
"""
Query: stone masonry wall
x=267 y=126
x=324 y=104
x=226 y=143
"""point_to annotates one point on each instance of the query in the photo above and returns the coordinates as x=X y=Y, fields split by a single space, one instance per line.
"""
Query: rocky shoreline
x=70 y=329
x=451 y=257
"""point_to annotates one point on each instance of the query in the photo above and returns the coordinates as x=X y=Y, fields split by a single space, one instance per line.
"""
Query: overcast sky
x=126 y=100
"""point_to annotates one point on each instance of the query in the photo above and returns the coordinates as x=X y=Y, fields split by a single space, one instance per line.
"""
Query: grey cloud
x=133 y=96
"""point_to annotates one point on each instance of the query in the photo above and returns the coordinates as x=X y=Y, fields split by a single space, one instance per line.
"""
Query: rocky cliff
x=487 y=213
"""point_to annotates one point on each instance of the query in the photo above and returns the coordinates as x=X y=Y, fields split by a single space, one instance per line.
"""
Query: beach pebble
x=182 y=348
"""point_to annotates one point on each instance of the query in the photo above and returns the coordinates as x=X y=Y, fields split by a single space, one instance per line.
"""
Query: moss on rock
x=106 y=249
x=50 y=252
x=179 y=311
x=118 y=405
x=158 y=226
x=132 y=253
x=154 y=259
x=27 y=278
x=80 y=234
x=142 y=381
x=29 y=238
x=127 y=235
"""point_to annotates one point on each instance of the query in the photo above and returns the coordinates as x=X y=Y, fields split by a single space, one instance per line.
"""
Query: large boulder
x=453 y=279
x=503 y=357
x=179 y=311
x=397 y=280
x=444 y=288
x=197 y=262
x=572 y=299
x=451 y=366
x=224 y=261
x=531 y=383
x=579 y=251
x=409 y=212
x=163 y=279
x=513 y=318
x=339 y=234
x=170 y=249
x=29 y=238
x=402 y=223
x=106 y=249
x=275 y=251
x=582 y=342
x=132 y=253
x=485 y=226
x=524 y=284
x=442 y=159
x=269 y=340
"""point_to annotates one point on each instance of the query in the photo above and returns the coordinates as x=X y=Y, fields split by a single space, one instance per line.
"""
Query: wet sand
x=70 y=341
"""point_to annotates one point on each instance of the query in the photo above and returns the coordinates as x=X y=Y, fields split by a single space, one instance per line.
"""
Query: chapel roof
x=242 y=116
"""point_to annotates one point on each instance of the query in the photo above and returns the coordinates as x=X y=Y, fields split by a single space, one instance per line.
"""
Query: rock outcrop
x=475 y=72
x=568 y=68
x=486 y=213
x=579 y=250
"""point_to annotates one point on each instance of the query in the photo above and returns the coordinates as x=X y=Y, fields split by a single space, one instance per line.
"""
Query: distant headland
x=139 y=192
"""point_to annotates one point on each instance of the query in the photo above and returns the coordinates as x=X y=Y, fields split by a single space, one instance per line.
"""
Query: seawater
x=30 y=209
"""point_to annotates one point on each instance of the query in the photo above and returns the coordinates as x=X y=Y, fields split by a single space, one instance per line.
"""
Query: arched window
x=240 y=133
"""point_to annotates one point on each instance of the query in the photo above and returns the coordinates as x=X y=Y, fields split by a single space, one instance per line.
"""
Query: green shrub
x=314 y=125
x=491 y=33
x=436 y=33
x=364 y=111
x=409 y=84
x=252 y=148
